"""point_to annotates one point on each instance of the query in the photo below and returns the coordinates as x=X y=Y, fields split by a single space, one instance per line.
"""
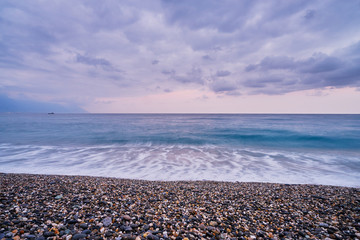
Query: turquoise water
x=320 y=149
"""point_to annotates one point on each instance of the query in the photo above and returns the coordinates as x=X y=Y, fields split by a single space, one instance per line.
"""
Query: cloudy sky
x=230 y=56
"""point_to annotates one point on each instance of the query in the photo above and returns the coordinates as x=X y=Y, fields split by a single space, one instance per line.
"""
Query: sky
x=171 y=56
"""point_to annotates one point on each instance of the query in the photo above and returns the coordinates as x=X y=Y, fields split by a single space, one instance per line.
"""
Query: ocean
x=277 y=148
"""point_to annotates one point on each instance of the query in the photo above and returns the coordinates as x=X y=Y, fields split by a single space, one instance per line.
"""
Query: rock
x=9 y=235
x=128 y=237
x=107 y=221
x=48 y=234
x=78 y=236
x=213 y=223
x=72 y=221
x=331 y=230
x=109 y=234
x=86 y=231
x=127 y=228
x=59 y=197
x=325 y=225
x=152 y=237
x=83 y=225
x=141 y=210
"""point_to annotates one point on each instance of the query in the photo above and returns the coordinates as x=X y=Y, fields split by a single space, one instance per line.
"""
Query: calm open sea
x=316 y=149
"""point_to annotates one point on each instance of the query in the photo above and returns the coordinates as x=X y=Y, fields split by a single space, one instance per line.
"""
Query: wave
x=184 y=162
x=289 y=139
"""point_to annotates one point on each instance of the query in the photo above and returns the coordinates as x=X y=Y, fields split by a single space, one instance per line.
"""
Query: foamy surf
x=181 y=162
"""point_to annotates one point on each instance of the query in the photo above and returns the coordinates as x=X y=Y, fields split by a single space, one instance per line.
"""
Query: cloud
x=192 y=76
x=206 y=57
x=222 y=73
x=168 y=72
x=27 y=105
x=167 y=90
x=92 y=61
x=310 y=14
x=223 y=86
x=81 y=51
x=318 y=71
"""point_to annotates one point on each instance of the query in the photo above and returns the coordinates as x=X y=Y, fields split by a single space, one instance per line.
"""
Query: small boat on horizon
x=51 y=113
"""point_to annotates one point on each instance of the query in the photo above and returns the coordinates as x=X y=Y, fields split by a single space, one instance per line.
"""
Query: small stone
x=86 y=231
x=127 y=228
x=30 y=236
x=152 y=237
x=107 y=221
x=325 y=225
x=48 y=234
x=128 y=237
x=72 y=221
x=83 y=225
x=9 y=235
x=301 y=233
x=78 y=236
x=126 y=217
x=61 y=227
x=59 y=197
x=331 y=230
x=213 y=223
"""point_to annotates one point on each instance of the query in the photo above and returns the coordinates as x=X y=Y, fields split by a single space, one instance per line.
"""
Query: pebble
x=110 y=208
x=83 y=225
x=59 y=197
x=78 y=236
x=213 y=223
x=126 y=217
x=325 y=225
x=107 y=221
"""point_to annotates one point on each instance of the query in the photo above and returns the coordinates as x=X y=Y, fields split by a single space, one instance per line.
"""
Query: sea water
x=312 y=149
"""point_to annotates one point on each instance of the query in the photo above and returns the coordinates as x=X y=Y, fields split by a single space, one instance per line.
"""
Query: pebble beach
x=81 y=207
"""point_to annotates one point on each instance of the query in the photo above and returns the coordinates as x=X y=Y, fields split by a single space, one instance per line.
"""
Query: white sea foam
x=181 y=162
